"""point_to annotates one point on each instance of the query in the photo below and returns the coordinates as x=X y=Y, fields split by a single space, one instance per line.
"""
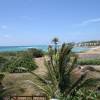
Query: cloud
x=86 y=22
x=3 y=26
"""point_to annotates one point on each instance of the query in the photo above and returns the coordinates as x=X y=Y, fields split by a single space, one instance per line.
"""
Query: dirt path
x=41 y=67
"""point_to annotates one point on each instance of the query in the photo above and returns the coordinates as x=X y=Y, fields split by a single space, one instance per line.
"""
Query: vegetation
x=10 y=61
x=83 y=94
x=57 y=81
x=36 y=52
x=89 y=62
x=55 y=41
x=2 y=61
x=7 y=54
x=32 y=52
x=1 y=86
x=15 y=63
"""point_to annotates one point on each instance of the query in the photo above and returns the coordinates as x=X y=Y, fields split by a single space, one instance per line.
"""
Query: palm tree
x=55 y=41
x=57 y=80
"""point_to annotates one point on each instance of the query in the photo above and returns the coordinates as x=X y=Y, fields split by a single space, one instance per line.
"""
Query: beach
x=92 y=53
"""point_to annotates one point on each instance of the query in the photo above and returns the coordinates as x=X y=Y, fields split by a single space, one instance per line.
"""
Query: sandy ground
x=92 y=53
x=88 y=55
x=90 y=74
x=41 y=67
x=95 y=50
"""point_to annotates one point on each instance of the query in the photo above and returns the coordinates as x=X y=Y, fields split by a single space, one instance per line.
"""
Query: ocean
x=42 y=47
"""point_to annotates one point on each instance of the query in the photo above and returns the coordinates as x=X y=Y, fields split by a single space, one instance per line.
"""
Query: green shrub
x=36 y=52
x=89 y=62
x=33 y=52
x=1 y=77
x=11 y=60
x=2 y=60
x=7 y=54
x=24 y=62
x=82 y=94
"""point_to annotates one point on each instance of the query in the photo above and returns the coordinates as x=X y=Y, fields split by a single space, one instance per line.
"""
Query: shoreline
x=95 y=50
x=92 y=53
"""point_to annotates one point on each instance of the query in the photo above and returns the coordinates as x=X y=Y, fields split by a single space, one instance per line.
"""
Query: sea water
x=42 y=47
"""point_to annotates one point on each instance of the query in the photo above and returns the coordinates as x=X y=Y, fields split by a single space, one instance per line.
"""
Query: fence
x=26 y=98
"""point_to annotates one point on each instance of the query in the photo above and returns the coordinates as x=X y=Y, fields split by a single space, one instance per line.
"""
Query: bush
x=11 y=60
x=82 y=94
x=15 y=63
x=36 y=52
x=7 y=54
x=2 y=60
x=89 y=62
x=1 y=77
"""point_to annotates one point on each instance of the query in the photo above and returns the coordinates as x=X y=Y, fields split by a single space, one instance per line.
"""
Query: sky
x=32 y=22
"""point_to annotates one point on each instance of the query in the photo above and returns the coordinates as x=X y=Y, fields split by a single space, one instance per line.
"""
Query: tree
x=55 y=41
x=58 y=78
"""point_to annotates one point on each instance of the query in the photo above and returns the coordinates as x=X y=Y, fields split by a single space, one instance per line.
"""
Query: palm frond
x=38 y=77
x=77 y=84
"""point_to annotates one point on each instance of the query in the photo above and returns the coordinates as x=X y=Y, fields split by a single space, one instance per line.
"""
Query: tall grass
x=89 y=62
